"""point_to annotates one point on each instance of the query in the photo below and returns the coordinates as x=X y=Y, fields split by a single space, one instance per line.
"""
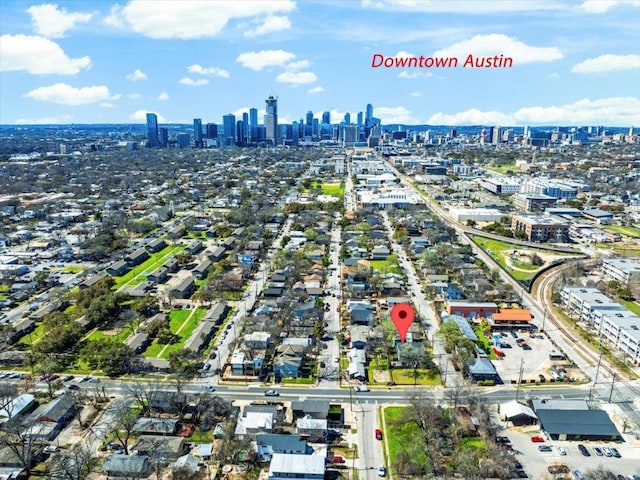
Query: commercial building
x=532 y=202
x=476 y=214
x=540 y=228
x=622 y=269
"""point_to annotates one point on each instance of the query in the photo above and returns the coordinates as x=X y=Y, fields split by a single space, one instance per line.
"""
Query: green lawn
x=33 y=337
x=473 y=443
x=633 y=232
x=390 y=265
x=402 y=435
x=333 y=189
x=176 y=319
x=120 y=337
x=139 y=274
x=72 y=269
x=619 y=247
x=404 y=376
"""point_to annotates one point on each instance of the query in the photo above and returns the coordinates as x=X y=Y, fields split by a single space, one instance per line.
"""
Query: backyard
x=390 y=265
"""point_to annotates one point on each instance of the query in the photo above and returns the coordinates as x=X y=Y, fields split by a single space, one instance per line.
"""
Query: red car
x=537 y=439
x=378 y=434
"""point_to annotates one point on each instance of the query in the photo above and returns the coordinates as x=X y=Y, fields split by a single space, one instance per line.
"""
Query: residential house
x=92 y=280
x=117 y=269
x=287 y=362
x=286 y=466
x=268 y=444
x=314 y=429
x=361 y=312
x=137 y=257
x=357 y=361
x=159 y=275
x=182 y=287
x=380 y=252
x=194 y=246
x=138 y=342
x=50 y=419
x=359 y=336
x=254 y=423
x=160 y=447
x=202 y=269
x=482 y=370
x=156 y=245
x=127 y=466
x=216 y=254
x=155 y=426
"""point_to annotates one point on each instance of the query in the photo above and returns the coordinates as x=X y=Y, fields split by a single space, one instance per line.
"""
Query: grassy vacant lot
x=390 y=265
x=182 y=323
x=501 y=168
x=623 y=248
x=119 y=337
x=139 y=274
x=33 y=337
x=333 y=189
x=403 y=436
x=425 y=377
x=633 y=232
x=517 y=266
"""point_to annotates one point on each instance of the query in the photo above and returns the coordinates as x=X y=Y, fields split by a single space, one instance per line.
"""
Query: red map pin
x=402 y=315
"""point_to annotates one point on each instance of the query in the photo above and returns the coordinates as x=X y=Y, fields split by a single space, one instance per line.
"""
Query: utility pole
x=613 y=382
x=595 y=379
x=519 y=378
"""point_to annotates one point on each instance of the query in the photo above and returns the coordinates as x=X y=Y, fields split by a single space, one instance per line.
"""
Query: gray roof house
x=267 y=444
x=128 y=466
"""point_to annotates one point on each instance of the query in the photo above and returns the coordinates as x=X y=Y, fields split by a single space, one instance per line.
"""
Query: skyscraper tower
x=271 y=120
x=197 y=132
x=309 y=118
x=347 y=118
x=369 y=115
x=326 y=118
x=152 y=130
x=229 y=129
x=359 y=119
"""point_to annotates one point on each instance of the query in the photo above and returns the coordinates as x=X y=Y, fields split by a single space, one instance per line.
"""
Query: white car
x=382 y=472
x=362 y=388
x=561 y=451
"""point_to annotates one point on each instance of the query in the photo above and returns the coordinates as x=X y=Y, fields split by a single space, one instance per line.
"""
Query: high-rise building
x=197 y=132
x=253 y=117
x=240 y=132
x=152 y=130
x=246 y=131
x=163 y=137
x=271 y=120
x=347 y=118
x=369 y=114
x=359 y=119
x=183 y=140
x=229 y=130
x=309 y=118
x=212 y=130
x=326 y=118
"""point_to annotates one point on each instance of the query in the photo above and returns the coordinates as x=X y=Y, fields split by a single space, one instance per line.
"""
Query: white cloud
x=265 y=58
x=163 y=97
x=486 y=7
x=50 y=22
x=395 y=115
x=603 y=6
x=56 y=120
x=470 y=117
x=141 y=116
x=553 y=75
x=615 y=111
x=498 y=44
x=37 y=55
x=410 y=75
x=190 y=82
x=107 y=105
x=608 y=63
x=297 y=78
x=136 y=75
x=193 y=19
x=316 y=89
x=272 y=23
x=64 y=94
x=298 y=65
x=416 y=94
x=213 y=71
x=134 y=96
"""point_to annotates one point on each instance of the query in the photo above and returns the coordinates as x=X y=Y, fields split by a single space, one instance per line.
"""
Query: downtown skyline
x=574 y=62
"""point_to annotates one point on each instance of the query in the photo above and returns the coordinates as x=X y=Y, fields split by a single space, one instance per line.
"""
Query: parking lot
x=536 y=463
x=531 y=352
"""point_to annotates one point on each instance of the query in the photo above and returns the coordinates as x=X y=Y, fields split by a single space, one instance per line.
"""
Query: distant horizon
x=437 y=62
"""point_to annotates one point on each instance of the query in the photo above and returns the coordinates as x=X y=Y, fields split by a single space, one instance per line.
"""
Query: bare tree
x=457 y=393
x=74 y=464
x=24 y=448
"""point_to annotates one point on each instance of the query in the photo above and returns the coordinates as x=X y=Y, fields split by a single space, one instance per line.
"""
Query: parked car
x=598 y=451
x=545 y=448
x=537 y=439
x=615 y=452
x=561 y=451
x=586 y=453
x=606 y=451
x=362 y=388
x=337 y=459
x=378 y=434
x=382 y=472
x=578 y=474
x=271 y=393
x=502 y=440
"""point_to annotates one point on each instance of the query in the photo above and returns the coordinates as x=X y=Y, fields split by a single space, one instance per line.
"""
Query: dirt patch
x=381 y=376
x=113 y=332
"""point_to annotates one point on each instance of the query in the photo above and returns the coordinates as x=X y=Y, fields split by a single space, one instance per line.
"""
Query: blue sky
x=574 y=62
